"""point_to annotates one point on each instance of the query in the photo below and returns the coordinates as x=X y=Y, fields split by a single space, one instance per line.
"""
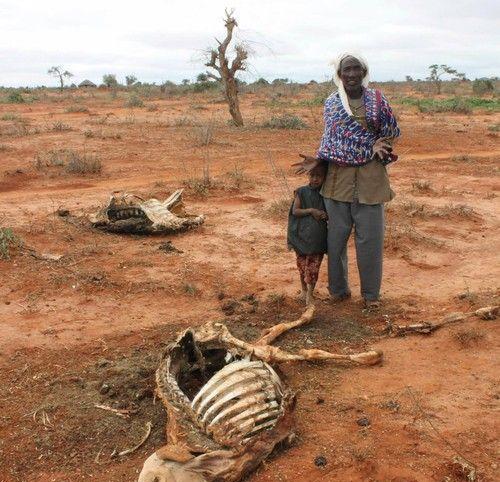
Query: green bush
x=462 y=105
x=8 y=240
x=15 y=97
x=482 y=86
x=285 y=121
x=204 y=86
x=134 y=101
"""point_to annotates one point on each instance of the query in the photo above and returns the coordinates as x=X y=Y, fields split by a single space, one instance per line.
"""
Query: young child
x=307 y=230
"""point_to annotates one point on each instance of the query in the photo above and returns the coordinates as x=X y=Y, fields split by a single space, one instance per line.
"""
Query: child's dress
x=307 y=236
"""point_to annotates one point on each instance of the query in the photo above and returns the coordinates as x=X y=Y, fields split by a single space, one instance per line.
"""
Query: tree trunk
x=62 y=82
x=232 y=99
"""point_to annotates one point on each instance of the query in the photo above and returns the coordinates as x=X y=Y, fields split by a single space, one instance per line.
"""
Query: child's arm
x=300 y=213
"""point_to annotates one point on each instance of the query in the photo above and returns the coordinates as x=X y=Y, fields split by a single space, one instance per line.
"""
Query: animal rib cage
x=239 y=401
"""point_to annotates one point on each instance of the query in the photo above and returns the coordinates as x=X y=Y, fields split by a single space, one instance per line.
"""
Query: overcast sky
x=158 y=40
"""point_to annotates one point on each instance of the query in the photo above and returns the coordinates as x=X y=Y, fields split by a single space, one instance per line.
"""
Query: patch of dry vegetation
x=8 y=242
x=73 y=162
x=422 y=187
x=414 y=209
x=468 y=338
x=278 y=209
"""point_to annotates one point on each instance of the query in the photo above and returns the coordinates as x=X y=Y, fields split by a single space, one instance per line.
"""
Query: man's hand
x=382 y=147
x=319 y=215
x=307 y=164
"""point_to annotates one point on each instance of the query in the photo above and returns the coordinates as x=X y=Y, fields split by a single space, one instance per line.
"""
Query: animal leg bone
x=275 y=331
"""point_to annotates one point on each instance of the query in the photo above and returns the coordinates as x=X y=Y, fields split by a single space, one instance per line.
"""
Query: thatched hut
x=86 y=84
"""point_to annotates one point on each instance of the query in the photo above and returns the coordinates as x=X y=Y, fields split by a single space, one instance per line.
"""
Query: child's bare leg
x=303 y=291
x=310 y=293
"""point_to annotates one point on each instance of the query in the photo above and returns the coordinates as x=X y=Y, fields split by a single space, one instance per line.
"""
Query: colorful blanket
x=345 y=142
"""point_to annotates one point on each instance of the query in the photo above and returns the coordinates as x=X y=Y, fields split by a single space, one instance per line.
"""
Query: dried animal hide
x=227 y=406
x=127 y=213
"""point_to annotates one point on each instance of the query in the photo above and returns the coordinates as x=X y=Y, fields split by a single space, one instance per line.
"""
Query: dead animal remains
x=128 y=213
x=227 y=406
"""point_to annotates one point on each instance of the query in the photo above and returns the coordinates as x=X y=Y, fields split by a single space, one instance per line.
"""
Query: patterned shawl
x=345 y=142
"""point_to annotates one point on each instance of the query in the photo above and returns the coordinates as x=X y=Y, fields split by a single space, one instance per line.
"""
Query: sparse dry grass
x=76 y=108
x=469 y=338
x=413 y=209
x=285 y=121
x=421 y=187
x=463 y=158
x=399 y=236
x=279 y=209
x=72 y=161
x=59 y=126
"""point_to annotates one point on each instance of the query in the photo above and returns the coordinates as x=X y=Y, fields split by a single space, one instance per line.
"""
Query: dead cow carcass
x=128 y=213
x=228 y=408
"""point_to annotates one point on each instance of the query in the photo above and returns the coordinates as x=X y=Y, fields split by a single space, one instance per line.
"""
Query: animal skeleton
x=227 y=406
x=128 y=213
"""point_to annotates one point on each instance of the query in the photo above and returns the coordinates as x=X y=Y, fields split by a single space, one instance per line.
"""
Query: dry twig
x=149 y=425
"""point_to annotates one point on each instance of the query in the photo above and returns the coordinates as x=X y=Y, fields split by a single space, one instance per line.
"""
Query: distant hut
x=86 y=84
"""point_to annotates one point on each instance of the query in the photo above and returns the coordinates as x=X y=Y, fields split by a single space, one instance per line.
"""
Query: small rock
x=63 y=212
x=103 y=363
x=320 y=400
x=221 y=295
x=363 y=422
x=320 y=461
x=104 y=388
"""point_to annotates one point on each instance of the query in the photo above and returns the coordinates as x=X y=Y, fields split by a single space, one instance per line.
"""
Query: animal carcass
x=228 y=408
x=128 y=213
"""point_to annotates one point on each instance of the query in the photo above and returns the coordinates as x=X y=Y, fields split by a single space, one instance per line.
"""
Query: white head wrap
x=338 y=82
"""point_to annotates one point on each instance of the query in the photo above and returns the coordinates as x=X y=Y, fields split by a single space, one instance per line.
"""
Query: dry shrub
x=9 y=116
x=413 y=209
x=18 y=129
x=236 y=179
x=204 y=134
x=468 y=338
x=184 y=121
x=76 y=109
x=453 y=210
x=83 y=163
x=72 y=161
x=200 y=186
x=152 y=107
x=285 y=121
x=59 y=126
x=463 y=158
x=399 y=236
x=8 y=242
x=134 y=101
x=279 y=209
x=421 y=187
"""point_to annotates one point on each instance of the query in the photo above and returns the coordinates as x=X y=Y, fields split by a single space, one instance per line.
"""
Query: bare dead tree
x=227 y=70
x=58 y=72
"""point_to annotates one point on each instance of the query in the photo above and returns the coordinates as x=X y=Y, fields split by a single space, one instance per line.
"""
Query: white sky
x=159 y=40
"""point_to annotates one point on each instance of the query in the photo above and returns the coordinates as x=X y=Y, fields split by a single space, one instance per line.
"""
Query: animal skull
x=128 y=213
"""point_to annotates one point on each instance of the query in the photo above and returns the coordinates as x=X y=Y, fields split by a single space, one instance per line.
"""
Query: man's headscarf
x=340 y=84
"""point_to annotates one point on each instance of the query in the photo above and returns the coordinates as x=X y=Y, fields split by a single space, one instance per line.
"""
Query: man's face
x=351 y=73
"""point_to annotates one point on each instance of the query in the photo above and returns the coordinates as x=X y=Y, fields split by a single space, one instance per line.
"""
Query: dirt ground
x=88 y=328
